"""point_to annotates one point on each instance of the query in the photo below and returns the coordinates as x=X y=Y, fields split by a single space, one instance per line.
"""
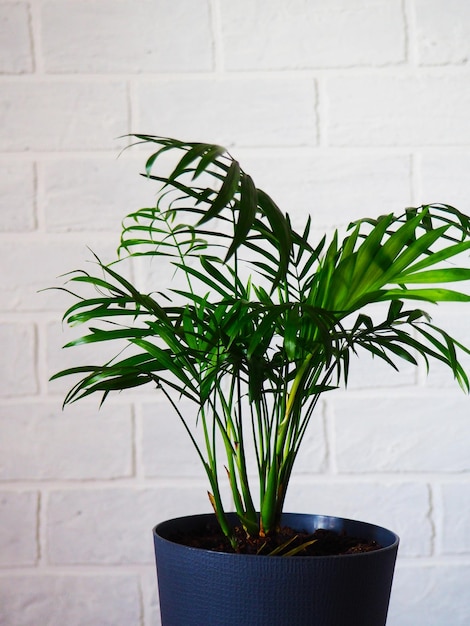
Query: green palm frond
x=269 y=319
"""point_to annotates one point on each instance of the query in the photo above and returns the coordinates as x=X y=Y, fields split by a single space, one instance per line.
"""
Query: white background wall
x=342 y=108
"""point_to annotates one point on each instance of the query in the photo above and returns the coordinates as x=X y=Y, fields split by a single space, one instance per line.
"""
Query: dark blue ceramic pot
x=203 y=588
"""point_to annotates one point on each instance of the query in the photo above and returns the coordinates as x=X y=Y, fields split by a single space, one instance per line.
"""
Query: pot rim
x=373 y=529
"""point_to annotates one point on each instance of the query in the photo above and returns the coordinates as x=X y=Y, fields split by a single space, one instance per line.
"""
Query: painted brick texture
x=338 y=109
x=16 y=54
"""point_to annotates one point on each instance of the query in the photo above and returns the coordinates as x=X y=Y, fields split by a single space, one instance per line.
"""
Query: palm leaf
x=269 y=319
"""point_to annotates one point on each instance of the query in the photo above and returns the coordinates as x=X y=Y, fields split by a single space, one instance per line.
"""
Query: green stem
x=235 y=454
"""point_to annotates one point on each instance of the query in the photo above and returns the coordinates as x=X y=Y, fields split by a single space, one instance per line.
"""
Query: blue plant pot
x=202 y=588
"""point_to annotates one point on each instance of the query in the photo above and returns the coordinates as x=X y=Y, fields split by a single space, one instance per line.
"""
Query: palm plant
x=266 y=321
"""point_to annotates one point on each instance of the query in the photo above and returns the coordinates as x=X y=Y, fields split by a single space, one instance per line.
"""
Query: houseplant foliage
x=267 y=320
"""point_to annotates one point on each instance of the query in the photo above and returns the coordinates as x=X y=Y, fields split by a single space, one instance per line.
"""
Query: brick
x=17 y=197
x=59 y=358
x=150 y=597
x=52 y=258
x=383 y=110
x=401 y=507
x=18 y=372
x=453 y=318
x=245 y=112
x=366 y=372
x=430 y=594
x=41 y=442
x=314 y=34
x=15 y=39
x=125 y=36
x=66 y=115
x=444 y=178
x=399 y=434
x=18 y=532
x=312 y=456
x=453 y=500
x=166 y=446
x=76 y=533
x=93 y=193
x=168 y=452
x=331 y=187
x=443 y=31
x=72 y=599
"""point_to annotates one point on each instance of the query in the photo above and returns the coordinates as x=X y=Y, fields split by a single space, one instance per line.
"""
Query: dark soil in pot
x=322 y=542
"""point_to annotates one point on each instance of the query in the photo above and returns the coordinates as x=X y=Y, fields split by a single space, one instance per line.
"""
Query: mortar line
x=409 y=19
x=217 y=41
x=430 y=515
x=35 y=30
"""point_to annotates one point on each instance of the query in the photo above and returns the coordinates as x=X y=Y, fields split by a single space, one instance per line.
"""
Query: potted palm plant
x=263 y=323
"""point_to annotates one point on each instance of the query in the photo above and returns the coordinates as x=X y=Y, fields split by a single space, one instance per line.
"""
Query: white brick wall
x=338 y=109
